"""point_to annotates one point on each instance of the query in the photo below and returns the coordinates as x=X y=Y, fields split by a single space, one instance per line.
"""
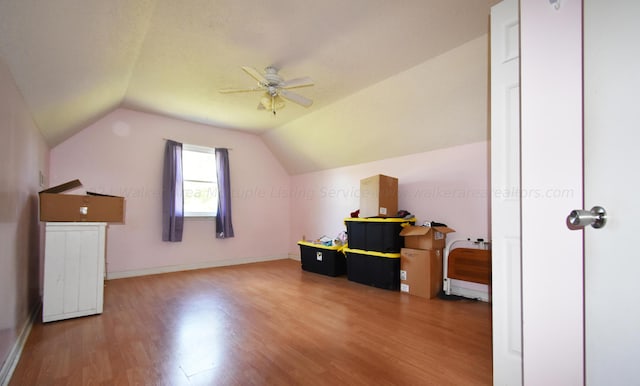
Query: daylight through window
x=200 y=182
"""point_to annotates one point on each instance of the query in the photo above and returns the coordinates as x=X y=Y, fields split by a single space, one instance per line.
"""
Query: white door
x=545 y=166
x=611 y=156
x=551 y=178
x=551 y=117
x=505 y=201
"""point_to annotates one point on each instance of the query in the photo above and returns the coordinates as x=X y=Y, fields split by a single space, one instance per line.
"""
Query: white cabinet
x=74 y=261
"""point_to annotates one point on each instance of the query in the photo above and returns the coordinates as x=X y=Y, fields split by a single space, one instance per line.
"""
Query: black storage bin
x=326 y=260
x=381 y=270
x=376 y=234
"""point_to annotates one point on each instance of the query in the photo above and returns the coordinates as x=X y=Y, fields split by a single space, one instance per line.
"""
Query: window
x=200 y=182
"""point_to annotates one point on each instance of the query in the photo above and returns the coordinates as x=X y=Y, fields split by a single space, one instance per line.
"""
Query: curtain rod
x=219 y=147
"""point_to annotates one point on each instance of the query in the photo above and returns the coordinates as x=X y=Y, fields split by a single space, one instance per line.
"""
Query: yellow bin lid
x=380 y=219
x=314 y=245
x=373 y=253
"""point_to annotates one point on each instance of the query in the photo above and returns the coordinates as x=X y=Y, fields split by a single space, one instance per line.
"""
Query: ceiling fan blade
x=255 y=74
x=232 y=90
x=297 y=82
x=296 y=98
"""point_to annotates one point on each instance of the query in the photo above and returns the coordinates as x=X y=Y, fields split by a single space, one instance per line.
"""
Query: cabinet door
x=54 y=269
x=74 y=267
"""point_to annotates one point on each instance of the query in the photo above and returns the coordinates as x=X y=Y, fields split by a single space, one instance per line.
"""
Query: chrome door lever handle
x=596 y=217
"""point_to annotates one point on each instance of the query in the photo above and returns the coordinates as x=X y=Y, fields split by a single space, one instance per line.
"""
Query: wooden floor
x=261 y=324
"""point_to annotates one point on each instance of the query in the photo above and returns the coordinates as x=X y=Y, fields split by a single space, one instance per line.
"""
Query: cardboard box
x=379 y=196
x=92 y=207
x=421 y=237
x=421 y=272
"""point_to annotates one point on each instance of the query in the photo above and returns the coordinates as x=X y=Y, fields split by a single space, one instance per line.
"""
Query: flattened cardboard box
x=421 y=272
x=425 y=237
x=91 y=207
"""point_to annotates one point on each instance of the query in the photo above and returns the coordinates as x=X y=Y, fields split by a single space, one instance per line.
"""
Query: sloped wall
x=438 y=104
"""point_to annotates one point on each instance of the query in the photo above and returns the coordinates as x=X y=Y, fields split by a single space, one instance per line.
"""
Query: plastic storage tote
x=323 y=259
x=381 y=270
x=376 y=234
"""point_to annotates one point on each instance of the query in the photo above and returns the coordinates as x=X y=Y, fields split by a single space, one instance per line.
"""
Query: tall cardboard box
x=421 y=272
x=379 y=196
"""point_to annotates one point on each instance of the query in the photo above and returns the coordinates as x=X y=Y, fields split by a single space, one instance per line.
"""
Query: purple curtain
x=224 y=228
x=172 y=200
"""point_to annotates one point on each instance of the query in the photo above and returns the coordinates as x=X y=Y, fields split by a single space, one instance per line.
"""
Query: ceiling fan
x=275 y=89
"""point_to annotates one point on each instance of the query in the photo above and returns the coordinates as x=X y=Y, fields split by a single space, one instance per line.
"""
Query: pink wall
x=23 y=154
x=448 y=185
x=122 y=153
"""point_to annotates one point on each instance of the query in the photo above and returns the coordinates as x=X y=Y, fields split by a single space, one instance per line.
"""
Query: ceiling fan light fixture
x=272 y=103
x=276 y=89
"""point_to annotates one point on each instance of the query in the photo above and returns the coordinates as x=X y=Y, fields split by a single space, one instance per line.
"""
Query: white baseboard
x=293 y=256
x=189 y=267
x=9 y=366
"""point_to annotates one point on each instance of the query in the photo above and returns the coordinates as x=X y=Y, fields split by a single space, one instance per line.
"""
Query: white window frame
x=201 y=149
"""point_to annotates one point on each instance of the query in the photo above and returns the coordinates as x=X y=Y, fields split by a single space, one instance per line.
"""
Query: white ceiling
x=76 y=60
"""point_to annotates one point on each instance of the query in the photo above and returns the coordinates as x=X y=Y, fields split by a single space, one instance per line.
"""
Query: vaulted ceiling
x=76 y=60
